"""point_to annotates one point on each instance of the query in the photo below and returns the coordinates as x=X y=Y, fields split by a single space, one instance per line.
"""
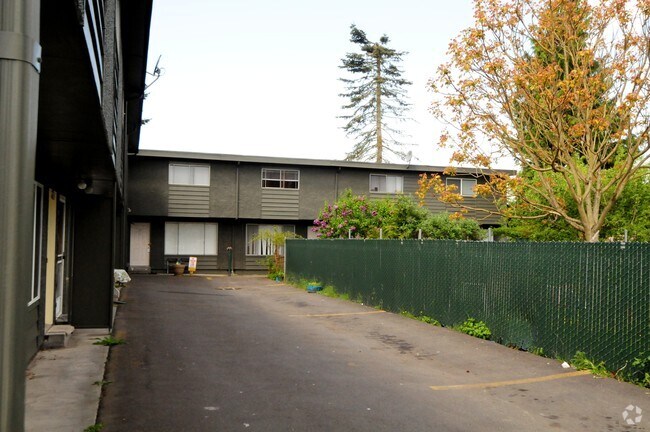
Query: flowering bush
x=364 y=218
x=398 y=217
x=349 y=213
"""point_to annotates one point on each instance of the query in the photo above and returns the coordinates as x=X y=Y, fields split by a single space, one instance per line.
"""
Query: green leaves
x=475 y=328
x=397 y=218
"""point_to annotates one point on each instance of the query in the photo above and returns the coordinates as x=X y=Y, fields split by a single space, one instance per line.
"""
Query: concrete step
x=57 y=336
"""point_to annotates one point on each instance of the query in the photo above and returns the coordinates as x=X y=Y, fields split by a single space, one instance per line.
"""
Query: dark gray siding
x=317 y=185
x=192 y=201
x=223 y=190
x=148 y=187
x=280 y=204
x=92 y=290
x=250 y=191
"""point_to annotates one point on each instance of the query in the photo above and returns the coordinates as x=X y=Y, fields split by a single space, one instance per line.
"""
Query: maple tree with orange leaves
x=561 y=87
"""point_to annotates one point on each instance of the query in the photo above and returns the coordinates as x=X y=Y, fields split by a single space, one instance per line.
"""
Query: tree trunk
x=380 y=141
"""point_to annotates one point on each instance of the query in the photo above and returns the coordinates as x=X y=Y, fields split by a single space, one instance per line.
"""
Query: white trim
x=191 y=168
x=36 y=258
x=386 y=176
x=282 y=171
x=463 y=180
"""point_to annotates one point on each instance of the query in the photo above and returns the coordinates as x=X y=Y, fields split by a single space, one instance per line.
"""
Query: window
x=264 y=247
x=37 y=243
x=463 y=186
x=186 y=174
x=190 y=238
x=280 y=178
x=386 y=183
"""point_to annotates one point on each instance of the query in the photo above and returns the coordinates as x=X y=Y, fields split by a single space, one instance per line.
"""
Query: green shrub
x=443 y=226
x=640 y=370
x=474 y=328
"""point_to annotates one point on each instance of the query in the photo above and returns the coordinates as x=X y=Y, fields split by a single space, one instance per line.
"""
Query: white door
x=140 y=247
x=60 y=270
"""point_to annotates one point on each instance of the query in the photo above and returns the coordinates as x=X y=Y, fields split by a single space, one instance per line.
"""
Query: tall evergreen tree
x=377 y=98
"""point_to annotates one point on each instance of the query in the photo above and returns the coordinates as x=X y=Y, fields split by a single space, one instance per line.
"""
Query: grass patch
x=102 y=383
x=421 y=317
x=94 y=428
x=330 y=291
x=110 y=341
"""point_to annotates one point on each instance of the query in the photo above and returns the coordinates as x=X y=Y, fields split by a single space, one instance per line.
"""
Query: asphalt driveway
x=245 y=353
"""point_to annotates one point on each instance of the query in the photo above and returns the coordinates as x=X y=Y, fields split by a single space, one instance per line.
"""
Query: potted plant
x=178 y=268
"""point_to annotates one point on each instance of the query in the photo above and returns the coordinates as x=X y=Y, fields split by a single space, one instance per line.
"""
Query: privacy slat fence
x=560 y=297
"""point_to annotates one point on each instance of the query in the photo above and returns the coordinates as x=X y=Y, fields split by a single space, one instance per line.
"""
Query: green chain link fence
x=560 y=297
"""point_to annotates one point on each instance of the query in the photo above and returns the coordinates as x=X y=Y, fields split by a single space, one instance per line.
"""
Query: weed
x=581 y=362
x=330 y=291
x=94 y=428
x=109 y=341
x=421 y=317
x=474 y=328
x=102 y=383
x=640 y=371
x=537 y=351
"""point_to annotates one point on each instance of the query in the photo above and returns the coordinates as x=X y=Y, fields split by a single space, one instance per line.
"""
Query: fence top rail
x=621 y=245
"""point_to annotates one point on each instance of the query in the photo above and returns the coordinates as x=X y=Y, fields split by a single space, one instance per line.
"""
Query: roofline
x=311 y=162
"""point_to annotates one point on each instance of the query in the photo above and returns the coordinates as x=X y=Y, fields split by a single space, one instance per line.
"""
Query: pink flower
x=374 y=213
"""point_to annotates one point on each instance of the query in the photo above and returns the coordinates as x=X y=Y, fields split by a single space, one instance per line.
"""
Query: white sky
x=257 y=77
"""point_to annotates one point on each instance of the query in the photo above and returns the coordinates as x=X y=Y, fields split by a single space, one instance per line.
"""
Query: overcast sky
x=261 y=78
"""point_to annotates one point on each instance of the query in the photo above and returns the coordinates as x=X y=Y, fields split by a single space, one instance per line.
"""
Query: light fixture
x=82 y=185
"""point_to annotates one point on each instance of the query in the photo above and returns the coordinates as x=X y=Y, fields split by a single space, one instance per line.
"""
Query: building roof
x=310 y=162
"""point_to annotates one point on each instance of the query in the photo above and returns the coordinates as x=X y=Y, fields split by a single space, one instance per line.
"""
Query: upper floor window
x=280 y=178
x=464 y=186
x=188 y=174
x=386 y=183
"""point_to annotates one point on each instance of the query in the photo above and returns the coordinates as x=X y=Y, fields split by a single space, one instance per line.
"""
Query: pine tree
x=377 y=98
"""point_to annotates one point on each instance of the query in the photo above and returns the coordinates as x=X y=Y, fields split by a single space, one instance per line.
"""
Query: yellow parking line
x=511 y=382
x=339 y=314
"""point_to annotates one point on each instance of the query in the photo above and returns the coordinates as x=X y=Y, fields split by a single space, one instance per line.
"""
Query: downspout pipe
x=20 y=55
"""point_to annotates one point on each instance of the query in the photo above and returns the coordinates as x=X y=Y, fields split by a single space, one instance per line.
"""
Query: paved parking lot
x=245 y=353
